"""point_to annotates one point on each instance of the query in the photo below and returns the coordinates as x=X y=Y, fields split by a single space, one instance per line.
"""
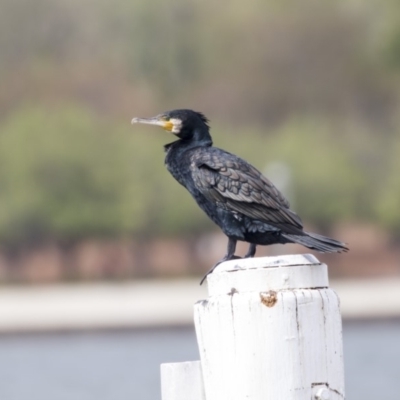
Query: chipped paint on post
x=277 y=336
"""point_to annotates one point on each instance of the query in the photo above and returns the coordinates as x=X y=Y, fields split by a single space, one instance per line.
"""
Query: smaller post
x=182 y=381
x=270 y=330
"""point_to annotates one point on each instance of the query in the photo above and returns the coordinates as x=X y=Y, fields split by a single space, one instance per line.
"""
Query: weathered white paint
x=182 y=381
x=268 y=273
x=270 y=330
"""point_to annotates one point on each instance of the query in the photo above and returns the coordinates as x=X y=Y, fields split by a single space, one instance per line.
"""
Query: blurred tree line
x=313 y=85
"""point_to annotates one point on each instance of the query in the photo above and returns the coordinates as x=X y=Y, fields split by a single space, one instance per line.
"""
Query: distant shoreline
x=150 y=304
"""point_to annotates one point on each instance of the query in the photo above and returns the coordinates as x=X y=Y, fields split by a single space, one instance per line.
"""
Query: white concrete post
x=270 y=330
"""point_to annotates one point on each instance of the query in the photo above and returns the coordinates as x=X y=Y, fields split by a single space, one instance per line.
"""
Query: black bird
x=234 y=194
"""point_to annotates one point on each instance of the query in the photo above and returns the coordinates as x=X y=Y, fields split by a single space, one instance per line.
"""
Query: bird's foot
x=216 y=265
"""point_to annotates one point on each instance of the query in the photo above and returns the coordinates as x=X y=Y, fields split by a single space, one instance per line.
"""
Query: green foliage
x=61 y=175
x=326 y=180
x=66 y=174
x=388 y=202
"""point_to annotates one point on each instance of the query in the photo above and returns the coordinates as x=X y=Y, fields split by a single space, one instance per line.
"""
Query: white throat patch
x=177 y=125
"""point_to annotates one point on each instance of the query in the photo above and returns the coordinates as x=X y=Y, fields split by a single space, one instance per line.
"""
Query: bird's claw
x=216 y=265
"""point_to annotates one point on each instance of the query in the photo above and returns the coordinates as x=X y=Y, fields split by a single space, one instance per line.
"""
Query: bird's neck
x=202 y=137
x=199 y=139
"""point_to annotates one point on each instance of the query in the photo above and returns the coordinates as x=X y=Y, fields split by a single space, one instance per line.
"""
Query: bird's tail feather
x=317 y=242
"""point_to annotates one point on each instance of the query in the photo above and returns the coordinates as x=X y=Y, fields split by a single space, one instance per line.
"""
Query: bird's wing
x=234 y=184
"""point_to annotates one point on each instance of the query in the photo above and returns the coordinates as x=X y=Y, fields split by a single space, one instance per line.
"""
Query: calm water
x=125 y=365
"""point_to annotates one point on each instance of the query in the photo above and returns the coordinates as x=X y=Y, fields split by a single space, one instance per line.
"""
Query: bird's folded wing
x=236 y=185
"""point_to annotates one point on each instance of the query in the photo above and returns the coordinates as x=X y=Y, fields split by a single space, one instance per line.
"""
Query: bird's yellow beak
x=159 y=121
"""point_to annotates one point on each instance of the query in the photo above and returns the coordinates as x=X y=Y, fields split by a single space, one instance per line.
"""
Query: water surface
x=125 y=365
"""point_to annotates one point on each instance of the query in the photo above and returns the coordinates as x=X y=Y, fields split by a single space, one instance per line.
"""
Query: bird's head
x=186 y=124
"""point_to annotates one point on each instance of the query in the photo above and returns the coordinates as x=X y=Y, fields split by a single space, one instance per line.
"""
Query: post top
x=289 y=260
x=297 y=271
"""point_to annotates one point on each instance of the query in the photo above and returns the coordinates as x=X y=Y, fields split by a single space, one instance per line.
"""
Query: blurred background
x=307 y=92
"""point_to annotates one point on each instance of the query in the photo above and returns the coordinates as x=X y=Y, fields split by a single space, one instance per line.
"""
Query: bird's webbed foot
x=233 y=257
x=230 y=255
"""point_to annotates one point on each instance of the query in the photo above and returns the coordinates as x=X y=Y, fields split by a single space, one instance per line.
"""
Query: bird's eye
x=165 y=118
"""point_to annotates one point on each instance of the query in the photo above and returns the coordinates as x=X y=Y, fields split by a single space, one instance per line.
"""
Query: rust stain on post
x=269 y=299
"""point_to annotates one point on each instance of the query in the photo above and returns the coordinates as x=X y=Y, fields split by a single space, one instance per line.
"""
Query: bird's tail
x=317 y=242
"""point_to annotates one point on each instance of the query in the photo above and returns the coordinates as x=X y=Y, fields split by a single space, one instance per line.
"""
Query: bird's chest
x=179 y=167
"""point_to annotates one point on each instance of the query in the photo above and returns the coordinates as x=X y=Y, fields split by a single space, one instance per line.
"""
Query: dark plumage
x=234 y=194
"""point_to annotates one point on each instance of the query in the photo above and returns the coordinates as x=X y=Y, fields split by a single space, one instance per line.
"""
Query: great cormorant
x=234 y=194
